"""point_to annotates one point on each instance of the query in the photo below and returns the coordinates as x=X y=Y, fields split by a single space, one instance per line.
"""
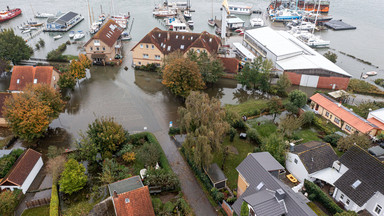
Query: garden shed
x=216 y=175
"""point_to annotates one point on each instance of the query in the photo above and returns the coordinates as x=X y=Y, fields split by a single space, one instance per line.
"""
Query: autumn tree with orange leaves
x=30 y=113
x=182 y=76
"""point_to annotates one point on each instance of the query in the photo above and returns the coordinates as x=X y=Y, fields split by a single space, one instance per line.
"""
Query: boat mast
x=129 y=33
x=89 y=14
x=32 y=10
x=212 y=11
x=317 y=14
x=93 y=16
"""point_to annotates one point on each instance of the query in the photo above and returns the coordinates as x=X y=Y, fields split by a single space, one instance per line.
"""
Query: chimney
x=279 y=194
x=339 y=105
x=168 y=36
x=114 y=194
x=291 y=147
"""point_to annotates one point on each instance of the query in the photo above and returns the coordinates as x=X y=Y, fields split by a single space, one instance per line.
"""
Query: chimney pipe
x=279 y=194
x=291 y=147
x=114 y=194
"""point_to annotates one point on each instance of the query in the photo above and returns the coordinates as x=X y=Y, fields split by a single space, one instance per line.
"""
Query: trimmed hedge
x=54 y=205
x=315 y=193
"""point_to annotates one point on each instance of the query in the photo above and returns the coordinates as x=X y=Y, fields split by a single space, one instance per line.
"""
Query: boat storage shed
x=303 y=65
x=216 y=176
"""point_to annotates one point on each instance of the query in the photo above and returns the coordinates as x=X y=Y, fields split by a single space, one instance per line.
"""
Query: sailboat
x=211 y=22
x=187 y=12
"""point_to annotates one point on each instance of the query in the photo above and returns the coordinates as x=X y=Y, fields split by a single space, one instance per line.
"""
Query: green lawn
x=265 y=128
x=79 y=209
x=233 y=160
x=249 y=107
x=40 y=211
x=307 y=135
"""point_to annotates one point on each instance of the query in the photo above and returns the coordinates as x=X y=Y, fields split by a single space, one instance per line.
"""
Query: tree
x=345 y=143
x=182 y=76
x=8 y=201
x=275 y=104
x=66 y=81
x=85 y=61
x=289 y=124
x=256 y=74
x=275 y=145
x=307 y=118
x=30 y=113
x=332 y=139
x=73 y=177
x=5 y=66
x=331 y=56
x=149 y=154
x=283 y=84
x=13 y=47
x=161 y=177
x=211 y=68
x=113 y=171
x=297 y=98
x=244 y=209
x=203 y=119
x=77 y=69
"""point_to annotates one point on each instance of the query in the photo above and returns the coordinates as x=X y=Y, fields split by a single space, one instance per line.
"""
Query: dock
x=66 y=29
x=32 y=35
x=181 y=17
x=338 y=25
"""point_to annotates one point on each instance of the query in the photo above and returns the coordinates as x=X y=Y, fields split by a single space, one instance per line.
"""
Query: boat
x=301 y=25
x=320 y=18
x=26 y=31
x=307 y=5
x=125 y=36
x=240 y=9
x=364 y=76
x=102 y=17
x=313 y=41
x=34 y=24
x=43 y=15
x=234 y=22
x=211 y=22
x=95 y=27
x=122 y=20
x=164 y=12
x=33 y=28
x=179 y=27
x=71 y=34
x=79 y=35
x=9 y=14
x=285 y=15
x=187 y=14
x=168 y=21
x=257 y=22
x=371 y=73
x=190 y=23
x=57 y=37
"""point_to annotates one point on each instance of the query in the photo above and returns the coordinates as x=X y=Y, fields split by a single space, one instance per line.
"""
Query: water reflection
x=149 y=82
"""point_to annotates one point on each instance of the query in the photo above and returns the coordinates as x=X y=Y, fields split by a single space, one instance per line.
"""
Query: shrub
x=126 y=148
x=54 y=205
x=317 y=121
x=161 y=177
x=37 y=46
x=57 y=54
x=66 y=81
x=379 y=82
x=363 y=87
x=332 y=139
x=253 y=136
x=149 y=67
x=41 y=42
x=149 y=154
x=217 y=195
x=129 y=157
x=9 y=201
x=174 y=131
x=244 y=209
x=239 y=124
x=157 y=204
x=168 y=207
x=73 y=177
x=307 y=118
x=321 y=197
x=183 y=206
x=231 y=200
x=232 y=134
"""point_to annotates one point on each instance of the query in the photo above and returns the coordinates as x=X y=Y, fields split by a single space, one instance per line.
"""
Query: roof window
x=191 y=37
x=259 y=186
x=159 y=35
x=356 y=184
x=127 y=200
x=18 y=81
x=34 y=81
x=182 y=37
x=169 y=48
x=181 y=46
x=210 y=39
x=177 y=36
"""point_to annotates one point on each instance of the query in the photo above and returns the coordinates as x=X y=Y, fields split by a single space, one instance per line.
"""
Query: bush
x=174 y=131
x=232 y=134
x=321 y=197
x=129 y=157
x=149 y=154
x=363 y=87
x=126 y=148
x=7 y=161
x=307 y=118
x=217 y=195
x=41 y=42
x=9 y=201
x=162 y=178
x=57 y=54
x=54 y=205
x=332 y=139
x=253 y=136
x=149 y=67
x=66 y=81
x=231 y=200
x=317 y=121
x=183 y=207
x=168 y=207
x=239 y=124
x=157 y=205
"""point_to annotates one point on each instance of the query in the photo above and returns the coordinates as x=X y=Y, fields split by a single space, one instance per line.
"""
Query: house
x=25 y=75
x=376 y=117
x=134 y=202
x=361 y=183
x=341 y=116
x=131 y=197
x=310 y=159
x=105 y=46
x=3 y=96
x=64 y=22
x=216 y=176
x=152 y=48
x=260 y=187
x=23 y=172
x=231 y=66
x=303 y=65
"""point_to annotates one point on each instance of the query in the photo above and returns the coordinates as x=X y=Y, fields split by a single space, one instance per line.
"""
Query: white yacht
x=257 y=22
x=79 y=35
x=240 y=9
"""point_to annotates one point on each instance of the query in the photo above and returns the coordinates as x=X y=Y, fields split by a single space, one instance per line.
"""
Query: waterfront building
x=152 y=48
x=63 y=22
x=105 y=46
x=303 y=65
x=25 y=75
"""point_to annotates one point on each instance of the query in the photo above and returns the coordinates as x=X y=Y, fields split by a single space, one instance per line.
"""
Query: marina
x=63 y=23
x=339 y=25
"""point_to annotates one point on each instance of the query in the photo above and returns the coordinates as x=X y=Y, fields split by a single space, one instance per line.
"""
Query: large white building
x=303 y=65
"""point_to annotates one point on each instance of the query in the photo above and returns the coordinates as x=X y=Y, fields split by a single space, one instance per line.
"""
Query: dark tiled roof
x=135 y=202
x=3 y=96
x=170 y=41
x=363 y=167
x=265 y=203
x=254 y=174
x=215 y=174
x=267 y=161
x=109 y=33
x=231 y=65
x=27 y=74
x=316 y=155
x=22 y=167
x=125 y=185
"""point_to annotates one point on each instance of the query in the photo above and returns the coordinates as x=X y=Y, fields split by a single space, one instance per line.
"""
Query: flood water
x=138 y=99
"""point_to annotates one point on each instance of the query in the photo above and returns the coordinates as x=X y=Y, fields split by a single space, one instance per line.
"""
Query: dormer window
x=169 y=48
x=54 y=78
x=177 y=36
x=210 y=39
x=96 y=42
x=159 y=35
x=18 y=81
x=181 y=46
x=34 y=81
x=191 y=37
x=127 y=200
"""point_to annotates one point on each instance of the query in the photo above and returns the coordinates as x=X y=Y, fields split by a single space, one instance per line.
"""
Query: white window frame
x=380 y=209
x=327 y=114
x=141 y=45
x=145 y=56
x=34 y=81
x=347 y=202
x=341 y=196
x=348 y=128
x=157 y=57
x=96 y=42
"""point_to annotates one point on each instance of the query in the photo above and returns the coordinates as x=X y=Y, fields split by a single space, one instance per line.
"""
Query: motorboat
x=95 y=27
x=211 y=22
x=71 y=34
x=240 y=9
x=190 y=23
x=187 y=14
x=371 y=73
x=102 y=17
x=164 y=13
x=9 y=14
x=303 y=25
x=26 y=31
x=170 y=20
x=34 y=24
x=125 y=36
x=314 y=41
x=79 y=35
x=121 y=20
x=285 y=15
x=43 y=15
x=257 y=22
x=234 y=22
x=57 y=37
x=179 y=27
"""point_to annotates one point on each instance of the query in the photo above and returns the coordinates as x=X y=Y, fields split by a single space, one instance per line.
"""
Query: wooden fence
x=38 y=202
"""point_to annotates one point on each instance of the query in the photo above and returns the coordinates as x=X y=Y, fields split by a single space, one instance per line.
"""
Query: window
x=146 y=46
x=91 y=48
x=145 y=56
x=18 y=81
x=348 y=128
x=141 y=46
x=54 y=78
x=331 y=117
x=296 y=161
x=181 y=46
x=378 y=209
x=177 y=36
x=342 y=197
x=347 y=202
x=139 y=63
x=327 y=114
x=153 y=46
x=337 y=120
x=103 y=48
x=198 y=51
x=34 y=81
x=169 y=48
x=157 y=57
x=96 y=42
x=97 y=48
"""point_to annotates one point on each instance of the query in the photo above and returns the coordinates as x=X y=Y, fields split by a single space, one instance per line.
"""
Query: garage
x=309 y=80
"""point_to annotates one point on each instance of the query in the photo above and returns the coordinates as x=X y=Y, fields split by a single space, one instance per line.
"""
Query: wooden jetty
x=34 y=34
x=338 y=25
x=181 y=17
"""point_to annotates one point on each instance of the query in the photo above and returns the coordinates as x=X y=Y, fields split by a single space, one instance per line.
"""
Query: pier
x=338 y=25
x=34 y=34
x=181 y=17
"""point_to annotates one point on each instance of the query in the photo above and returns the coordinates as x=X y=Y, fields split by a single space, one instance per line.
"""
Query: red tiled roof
x=3 y=96
x=27 y=74
x=135 y=202
x=377 y=123
x=231 y=65
x=22 y=167
x=170 y=41
x=343 y=113
x=108 y=33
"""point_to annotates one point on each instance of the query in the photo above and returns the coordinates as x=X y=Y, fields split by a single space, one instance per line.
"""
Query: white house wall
x=297 y=170
x=378 y=198
x=28 y=181
x=352 y=205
